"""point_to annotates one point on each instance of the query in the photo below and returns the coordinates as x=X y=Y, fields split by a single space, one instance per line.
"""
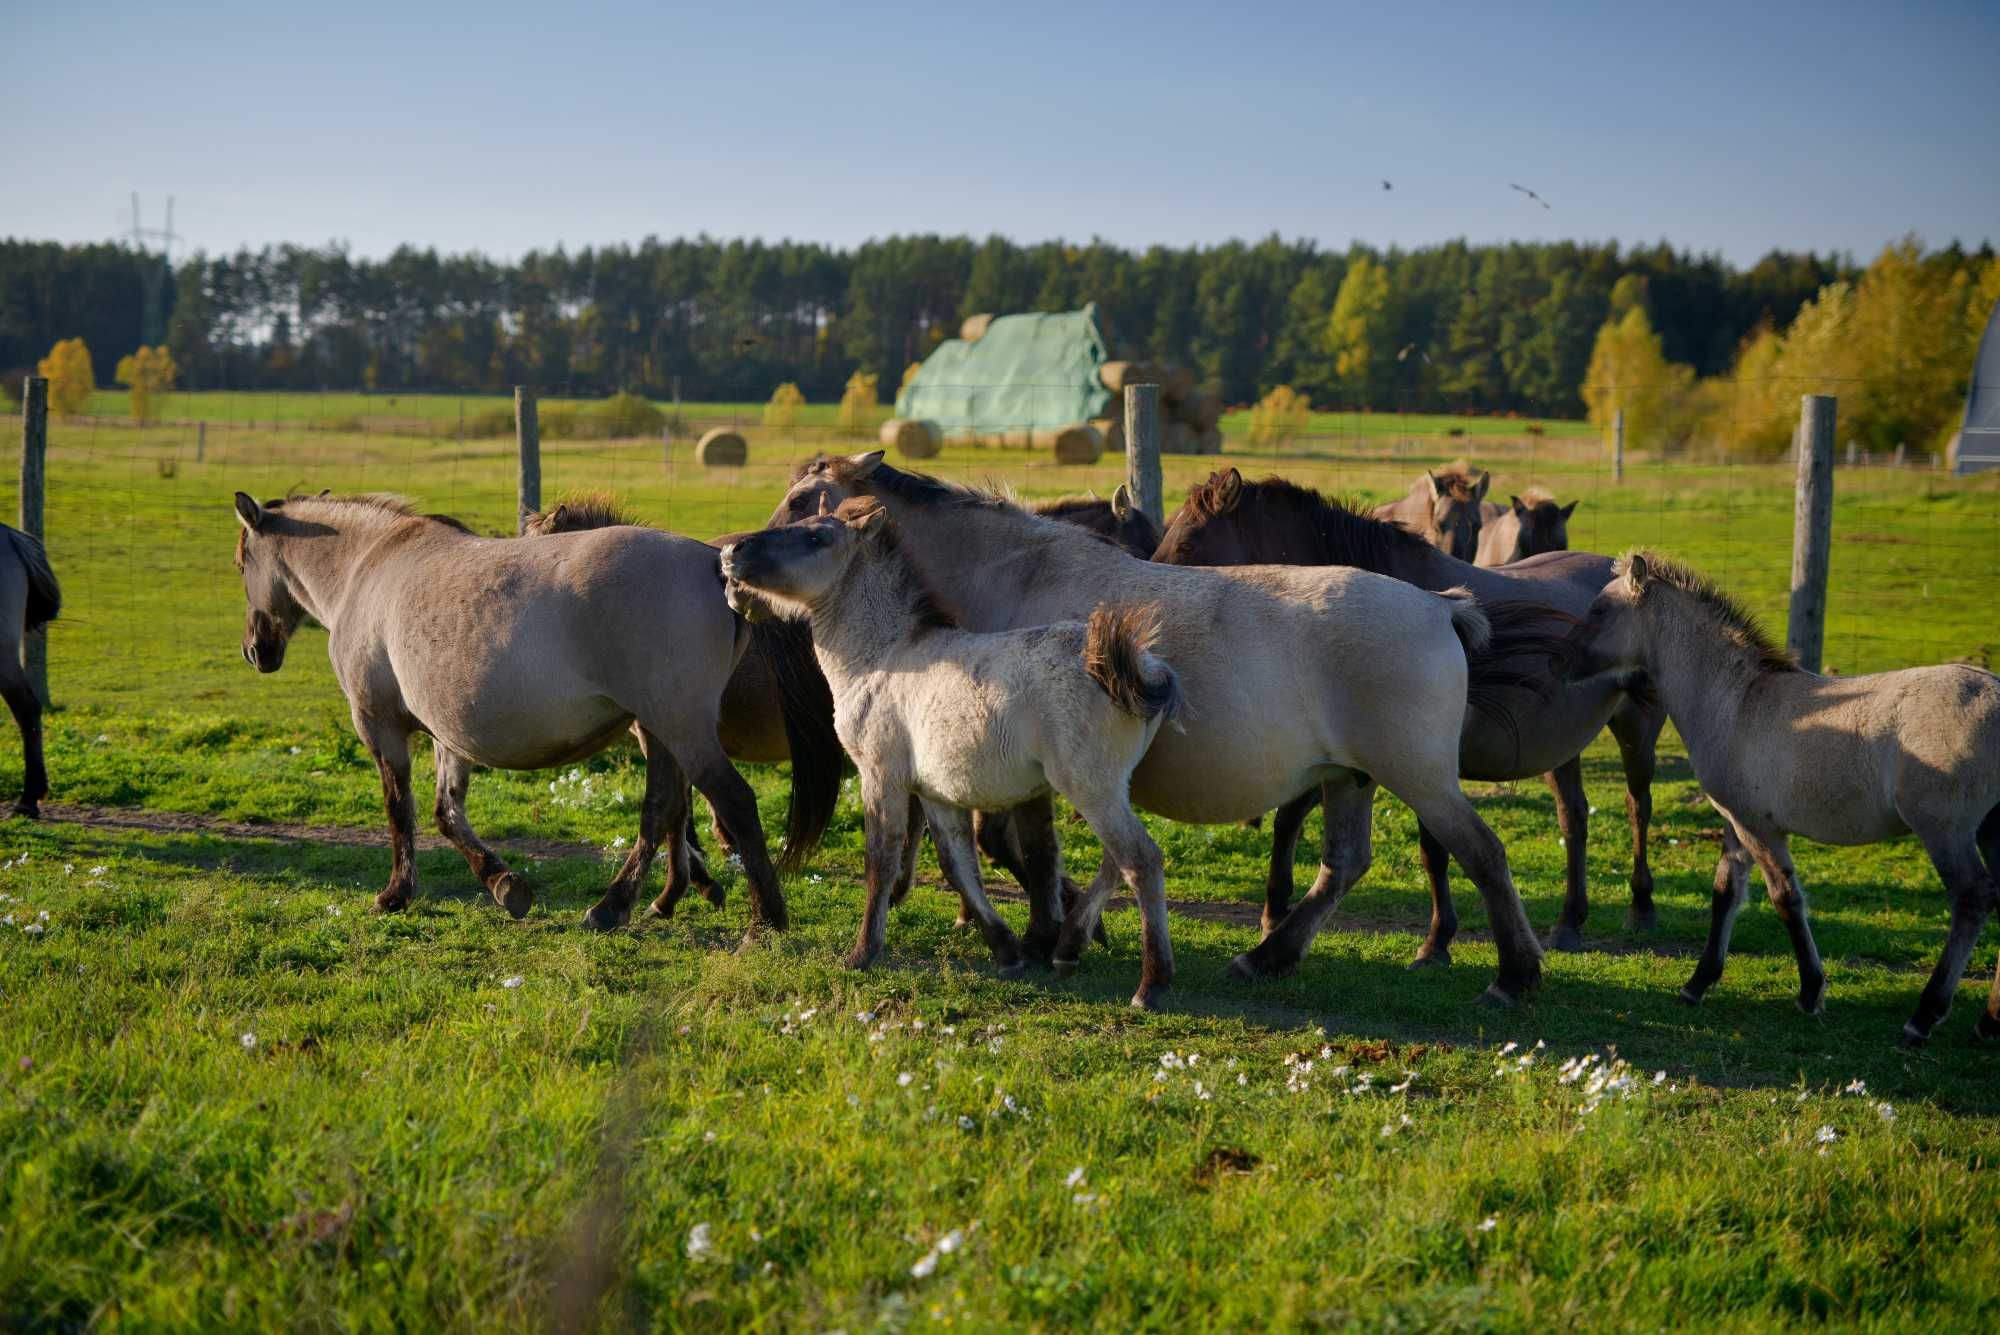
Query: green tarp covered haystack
x=1026 y=372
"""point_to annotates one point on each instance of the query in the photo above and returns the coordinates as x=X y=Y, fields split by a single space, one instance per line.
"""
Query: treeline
x=1447 y=327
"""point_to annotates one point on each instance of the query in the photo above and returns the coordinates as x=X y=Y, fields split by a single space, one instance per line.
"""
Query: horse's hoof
x=601 y=919
x=511 y=892
x=963 y=924
x=714 y=894
x=860 y=959
x=1248 y=968
x=661 y=907
x=392 y=901
x=1063 y=968
x=1431 y=959
x=1814 y=1004
x=1496 y=997
x=1641 y=920
x=1147 y=998
x=1564 y=936
x=1011 y=970
x=1039 y=948
x=1098 y=934
x=28 y=809
x=1988 y=1028
x=1687 y=996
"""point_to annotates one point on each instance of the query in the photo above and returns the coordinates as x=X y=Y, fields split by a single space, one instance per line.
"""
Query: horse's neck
x=323 y=565
x=998 y=567
x=1702 y=679
x=864 y=618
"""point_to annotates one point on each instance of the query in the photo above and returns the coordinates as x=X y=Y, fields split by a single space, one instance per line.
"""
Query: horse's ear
x=825 y=507
x=871 y=520
x=1636 y=571
x=1121 y=503
x=1514 y=504
x=1437 y=487
x=248 y=512
x=1570 y=509
x=1228 y=490
x=325 y=492
x=562 y=513
x=864 y=464
x=1485 y=481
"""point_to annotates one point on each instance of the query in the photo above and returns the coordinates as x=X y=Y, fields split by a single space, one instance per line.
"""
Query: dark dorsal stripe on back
x=1739 y=624
x=373 y=500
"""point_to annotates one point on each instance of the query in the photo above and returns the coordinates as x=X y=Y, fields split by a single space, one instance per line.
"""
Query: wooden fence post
x=34 y=474
x=528 y=439
x=1142 y=451
x=1812 y=530
x=1618 y=445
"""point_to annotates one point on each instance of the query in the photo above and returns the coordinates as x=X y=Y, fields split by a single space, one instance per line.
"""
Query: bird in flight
x=1387 y=186
x=1529 y=193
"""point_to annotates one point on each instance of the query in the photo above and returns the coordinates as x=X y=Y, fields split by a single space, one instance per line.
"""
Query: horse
x=1443 y=508
x=962 y=719
x=1117 y=520
x=1840 y=760
x=1227 y=521
x=776 y=707
x=516 y=655
x=30 y=598
x=1528 y=525
x=1293 y=675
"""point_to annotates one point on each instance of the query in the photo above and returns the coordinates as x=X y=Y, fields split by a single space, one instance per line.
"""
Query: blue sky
x=1732 y=128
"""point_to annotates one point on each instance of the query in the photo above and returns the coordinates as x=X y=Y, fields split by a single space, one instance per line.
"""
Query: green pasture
x=231 y=1097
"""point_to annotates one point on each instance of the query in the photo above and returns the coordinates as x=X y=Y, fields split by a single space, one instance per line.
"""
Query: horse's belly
x=1183 y=779
x=985 y=779
x=553 y=733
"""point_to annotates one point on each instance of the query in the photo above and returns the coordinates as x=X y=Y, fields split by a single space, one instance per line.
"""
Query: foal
x=966 y=720
x=1443 y=509
x=1528 y=525
x=1840 y=760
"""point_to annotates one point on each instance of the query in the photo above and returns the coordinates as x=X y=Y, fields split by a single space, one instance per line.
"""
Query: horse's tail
x=1118 y=655
x=1468 y=619
x=1525 y=648
x=805 y=703
x=44 y=594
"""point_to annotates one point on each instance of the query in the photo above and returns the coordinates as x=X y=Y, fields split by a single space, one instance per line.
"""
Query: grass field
x=231 y=1097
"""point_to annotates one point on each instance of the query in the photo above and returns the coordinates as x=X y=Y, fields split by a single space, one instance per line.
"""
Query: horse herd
x=1271 y=650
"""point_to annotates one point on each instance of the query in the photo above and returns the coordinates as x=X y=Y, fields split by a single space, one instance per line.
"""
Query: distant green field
x=232 y=1098
x=388 y=408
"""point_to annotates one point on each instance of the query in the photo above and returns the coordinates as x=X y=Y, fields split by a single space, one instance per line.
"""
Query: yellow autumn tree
x=910 y=371
x=783 y=409
x=1278 y=416
x=1629 y=372
x=67 y=369
x=857 y=403
x=149 y=373
x=1357 y=332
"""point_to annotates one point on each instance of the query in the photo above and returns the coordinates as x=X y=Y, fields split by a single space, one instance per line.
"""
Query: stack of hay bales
x=1190 y=420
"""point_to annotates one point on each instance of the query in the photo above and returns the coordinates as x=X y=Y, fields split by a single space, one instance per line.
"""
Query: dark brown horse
x=1528 y=525
x=29 y=600
x=1443 y=508
x=1117 y=520
x=1227 y=521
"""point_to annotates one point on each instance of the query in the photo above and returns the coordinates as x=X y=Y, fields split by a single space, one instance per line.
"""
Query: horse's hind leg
x=999 y=841
x=27 y=707
x=697 y=874
x=1973 y=896
x=1636 y=728
x=885 y=819
x=1346 y=850
x=1989 y=848
x=1573 y=819
x=1139 y=861
x=735 y=805
x=1285 y=827
x=906 y=873
x=1435 y=952
x=1732 y=883
x=663 y=812
x=958 y=858
x=390 y=745
x=454 y=774
x=1041 y=856
x=1466 y=837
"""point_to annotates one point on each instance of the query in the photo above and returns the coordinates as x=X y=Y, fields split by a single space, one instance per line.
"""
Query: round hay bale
x=1201 y=411
x=1177 y=438
x=1114 y=376
x=974 y=327
x=1176 y=382
x=1113 y=431
x=911 y=437
x=1209 y=441
x=1081 y=443
x=721 y=447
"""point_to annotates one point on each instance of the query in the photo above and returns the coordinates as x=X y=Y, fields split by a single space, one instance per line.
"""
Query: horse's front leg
x=1573 y=819
x=885 y=819
x=1772 y=853
x=389 y=743
x=1435 y=952
x=1285 y=828
x=454 y=774
x=662 y=813
x=1042 y=874
x=1636 y=727
x=1732 y=883
x=906 y=874
x=958 y=858
x=734 y=803
x=1346 y=848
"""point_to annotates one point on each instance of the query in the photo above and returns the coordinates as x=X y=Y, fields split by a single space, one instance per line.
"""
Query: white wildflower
x=99 y=869
x=511 y=983
x=1489 y=1223
x=34 y=929
x=1075 y=1178
x=904 y=1078
x=708 y=1137
x=248 y=1041
x=925 y=1266
x=1826 y=1135
x=1855 y=1087
x=700 y=1246
x=949 y=1243
x=965 y=1123
x=1887 y=1112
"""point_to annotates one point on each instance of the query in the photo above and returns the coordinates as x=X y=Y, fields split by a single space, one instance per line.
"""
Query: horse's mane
x=1460 y=478
x=580 y=510
x=1535 y=497
x=1069 y=508
x=1336 y=531
x=1739 y=625
x=1094 y=515
x=384 y=501
x=913 y=488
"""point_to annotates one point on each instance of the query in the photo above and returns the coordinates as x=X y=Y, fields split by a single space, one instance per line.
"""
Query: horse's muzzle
x=264 y=657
